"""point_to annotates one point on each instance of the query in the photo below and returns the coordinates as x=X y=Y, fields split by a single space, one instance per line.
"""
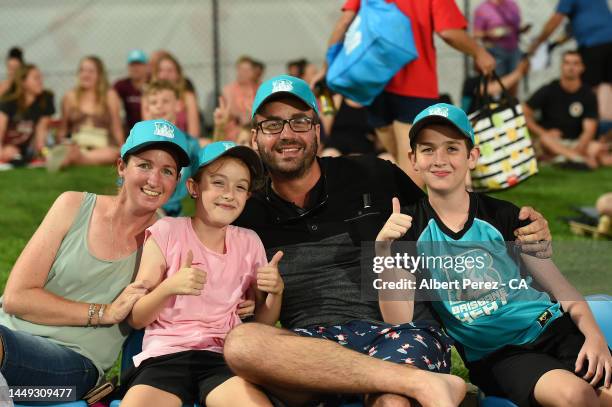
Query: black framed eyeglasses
x=275 y=126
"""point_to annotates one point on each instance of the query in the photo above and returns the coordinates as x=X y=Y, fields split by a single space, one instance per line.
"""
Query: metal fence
x=207 y=36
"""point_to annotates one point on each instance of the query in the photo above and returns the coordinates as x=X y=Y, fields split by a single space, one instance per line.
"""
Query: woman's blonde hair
x=102 y=85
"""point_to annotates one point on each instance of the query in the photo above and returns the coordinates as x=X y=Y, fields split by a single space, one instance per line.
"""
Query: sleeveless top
x=78 y=120
x=78 y=275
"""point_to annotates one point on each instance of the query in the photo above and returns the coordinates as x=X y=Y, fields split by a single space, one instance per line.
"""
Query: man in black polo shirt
x=568 y=115
x=318 y=211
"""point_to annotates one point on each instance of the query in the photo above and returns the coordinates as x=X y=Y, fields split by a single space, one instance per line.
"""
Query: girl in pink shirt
x=202 y=269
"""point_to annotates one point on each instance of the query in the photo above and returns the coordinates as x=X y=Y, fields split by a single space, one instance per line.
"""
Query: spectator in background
x=90 y=119
x=497 y=23
x=348 y=132
x=130 y=89
x=259 y=69
x=14 y=60
x=221 y=116
x=296 y=67
x=568 y=116
x=303 y=69
x=24 y=117
x=239 y=96
x=154 y=59
x=415 y=86
x=163 y=101
x=471 y=85
x=168 y=68
x=591 y=22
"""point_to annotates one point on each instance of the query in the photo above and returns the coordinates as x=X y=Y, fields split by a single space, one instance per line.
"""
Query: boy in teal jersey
x=516 y=342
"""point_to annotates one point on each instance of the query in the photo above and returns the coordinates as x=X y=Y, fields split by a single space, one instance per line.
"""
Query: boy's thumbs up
x=396 y=205
x=397 y=225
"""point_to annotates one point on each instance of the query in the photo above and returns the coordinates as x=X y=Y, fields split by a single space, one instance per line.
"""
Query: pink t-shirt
x=201 y=322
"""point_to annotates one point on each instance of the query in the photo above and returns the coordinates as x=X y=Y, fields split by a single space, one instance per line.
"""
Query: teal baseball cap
x=284 y=84
x=149 y=132
x=442 y=113
x=218 y=149
x=137 y=56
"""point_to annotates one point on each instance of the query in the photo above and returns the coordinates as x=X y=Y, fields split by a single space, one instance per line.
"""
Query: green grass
x=28 y=193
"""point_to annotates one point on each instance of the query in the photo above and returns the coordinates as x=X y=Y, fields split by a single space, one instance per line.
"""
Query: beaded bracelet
x=90 y=314
x=100 y=314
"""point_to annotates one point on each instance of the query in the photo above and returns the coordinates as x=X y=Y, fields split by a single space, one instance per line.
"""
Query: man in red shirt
x=415 y=86
x=130 y=88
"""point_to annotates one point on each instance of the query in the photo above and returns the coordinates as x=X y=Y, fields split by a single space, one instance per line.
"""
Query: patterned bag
x=507 y=156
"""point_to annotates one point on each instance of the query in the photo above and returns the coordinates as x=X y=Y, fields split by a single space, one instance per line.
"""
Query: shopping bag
x=378 y=43
x=507 y=156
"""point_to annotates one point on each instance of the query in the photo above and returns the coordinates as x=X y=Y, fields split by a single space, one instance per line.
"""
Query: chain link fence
x=207 y=36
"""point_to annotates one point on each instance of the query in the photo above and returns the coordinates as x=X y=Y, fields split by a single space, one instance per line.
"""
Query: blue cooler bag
x=377 y=44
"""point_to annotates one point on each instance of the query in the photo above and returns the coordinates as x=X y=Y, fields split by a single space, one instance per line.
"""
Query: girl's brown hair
x=19 y=93
x=181 y=84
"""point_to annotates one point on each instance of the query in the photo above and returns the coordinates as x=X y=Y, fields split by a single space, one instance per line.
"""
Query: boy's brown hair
x=468 y=143
x=158 y=86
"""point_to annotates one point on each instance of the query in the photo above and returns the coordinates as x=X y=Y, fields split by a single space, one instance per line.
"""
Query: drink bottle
x=324 y=95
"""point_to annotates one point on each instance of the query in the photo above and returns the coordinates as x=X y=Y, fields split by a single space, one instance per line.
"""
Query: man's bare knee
x=247 y=341
x=239 y=342
x=388 y=400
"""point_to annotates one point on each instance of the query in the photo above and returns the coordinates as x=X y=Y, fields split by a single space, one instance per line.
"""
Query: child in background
x=202 y=268
x=162 y=99
x=516 y=343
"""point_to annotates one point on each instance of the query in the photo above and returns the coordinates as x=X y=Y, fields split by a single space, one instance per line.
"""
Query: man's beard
x=296 y=172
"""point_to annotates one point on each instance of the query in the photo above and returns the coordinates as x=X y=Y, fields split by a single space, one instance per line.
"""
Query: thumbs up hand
x=268 y=277
x=188 y=280
x=397 y=225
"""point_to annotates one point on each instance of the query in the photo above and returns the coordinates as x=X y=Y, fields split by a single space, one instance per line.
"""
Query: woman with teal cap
x=71 y=288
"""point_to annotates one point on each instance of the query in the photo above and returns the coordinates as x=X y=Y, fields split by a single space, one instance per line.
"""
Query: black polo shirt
x=322 y=242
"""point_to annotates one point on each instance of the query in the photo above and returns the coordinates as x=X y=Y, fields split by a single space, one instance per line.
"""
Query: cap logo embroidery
x=438 y=111
x=282 y=85
x=163 y=130
x=227 y=146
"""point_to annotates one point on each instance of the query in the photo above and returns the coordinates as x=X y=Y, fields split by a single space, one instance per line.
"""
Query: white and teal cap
x=137 y=56
x=218 y=149
x=442 y=113
x=284 y=84
x=146 y=133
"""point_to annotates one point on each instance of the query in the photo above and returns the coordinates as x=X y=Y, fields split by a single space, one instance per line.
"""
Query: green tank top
x=79 y=276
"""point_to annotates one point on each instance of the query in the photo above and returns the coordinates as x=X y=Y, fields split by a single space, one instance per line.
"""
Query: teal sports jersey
x=481 y=307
